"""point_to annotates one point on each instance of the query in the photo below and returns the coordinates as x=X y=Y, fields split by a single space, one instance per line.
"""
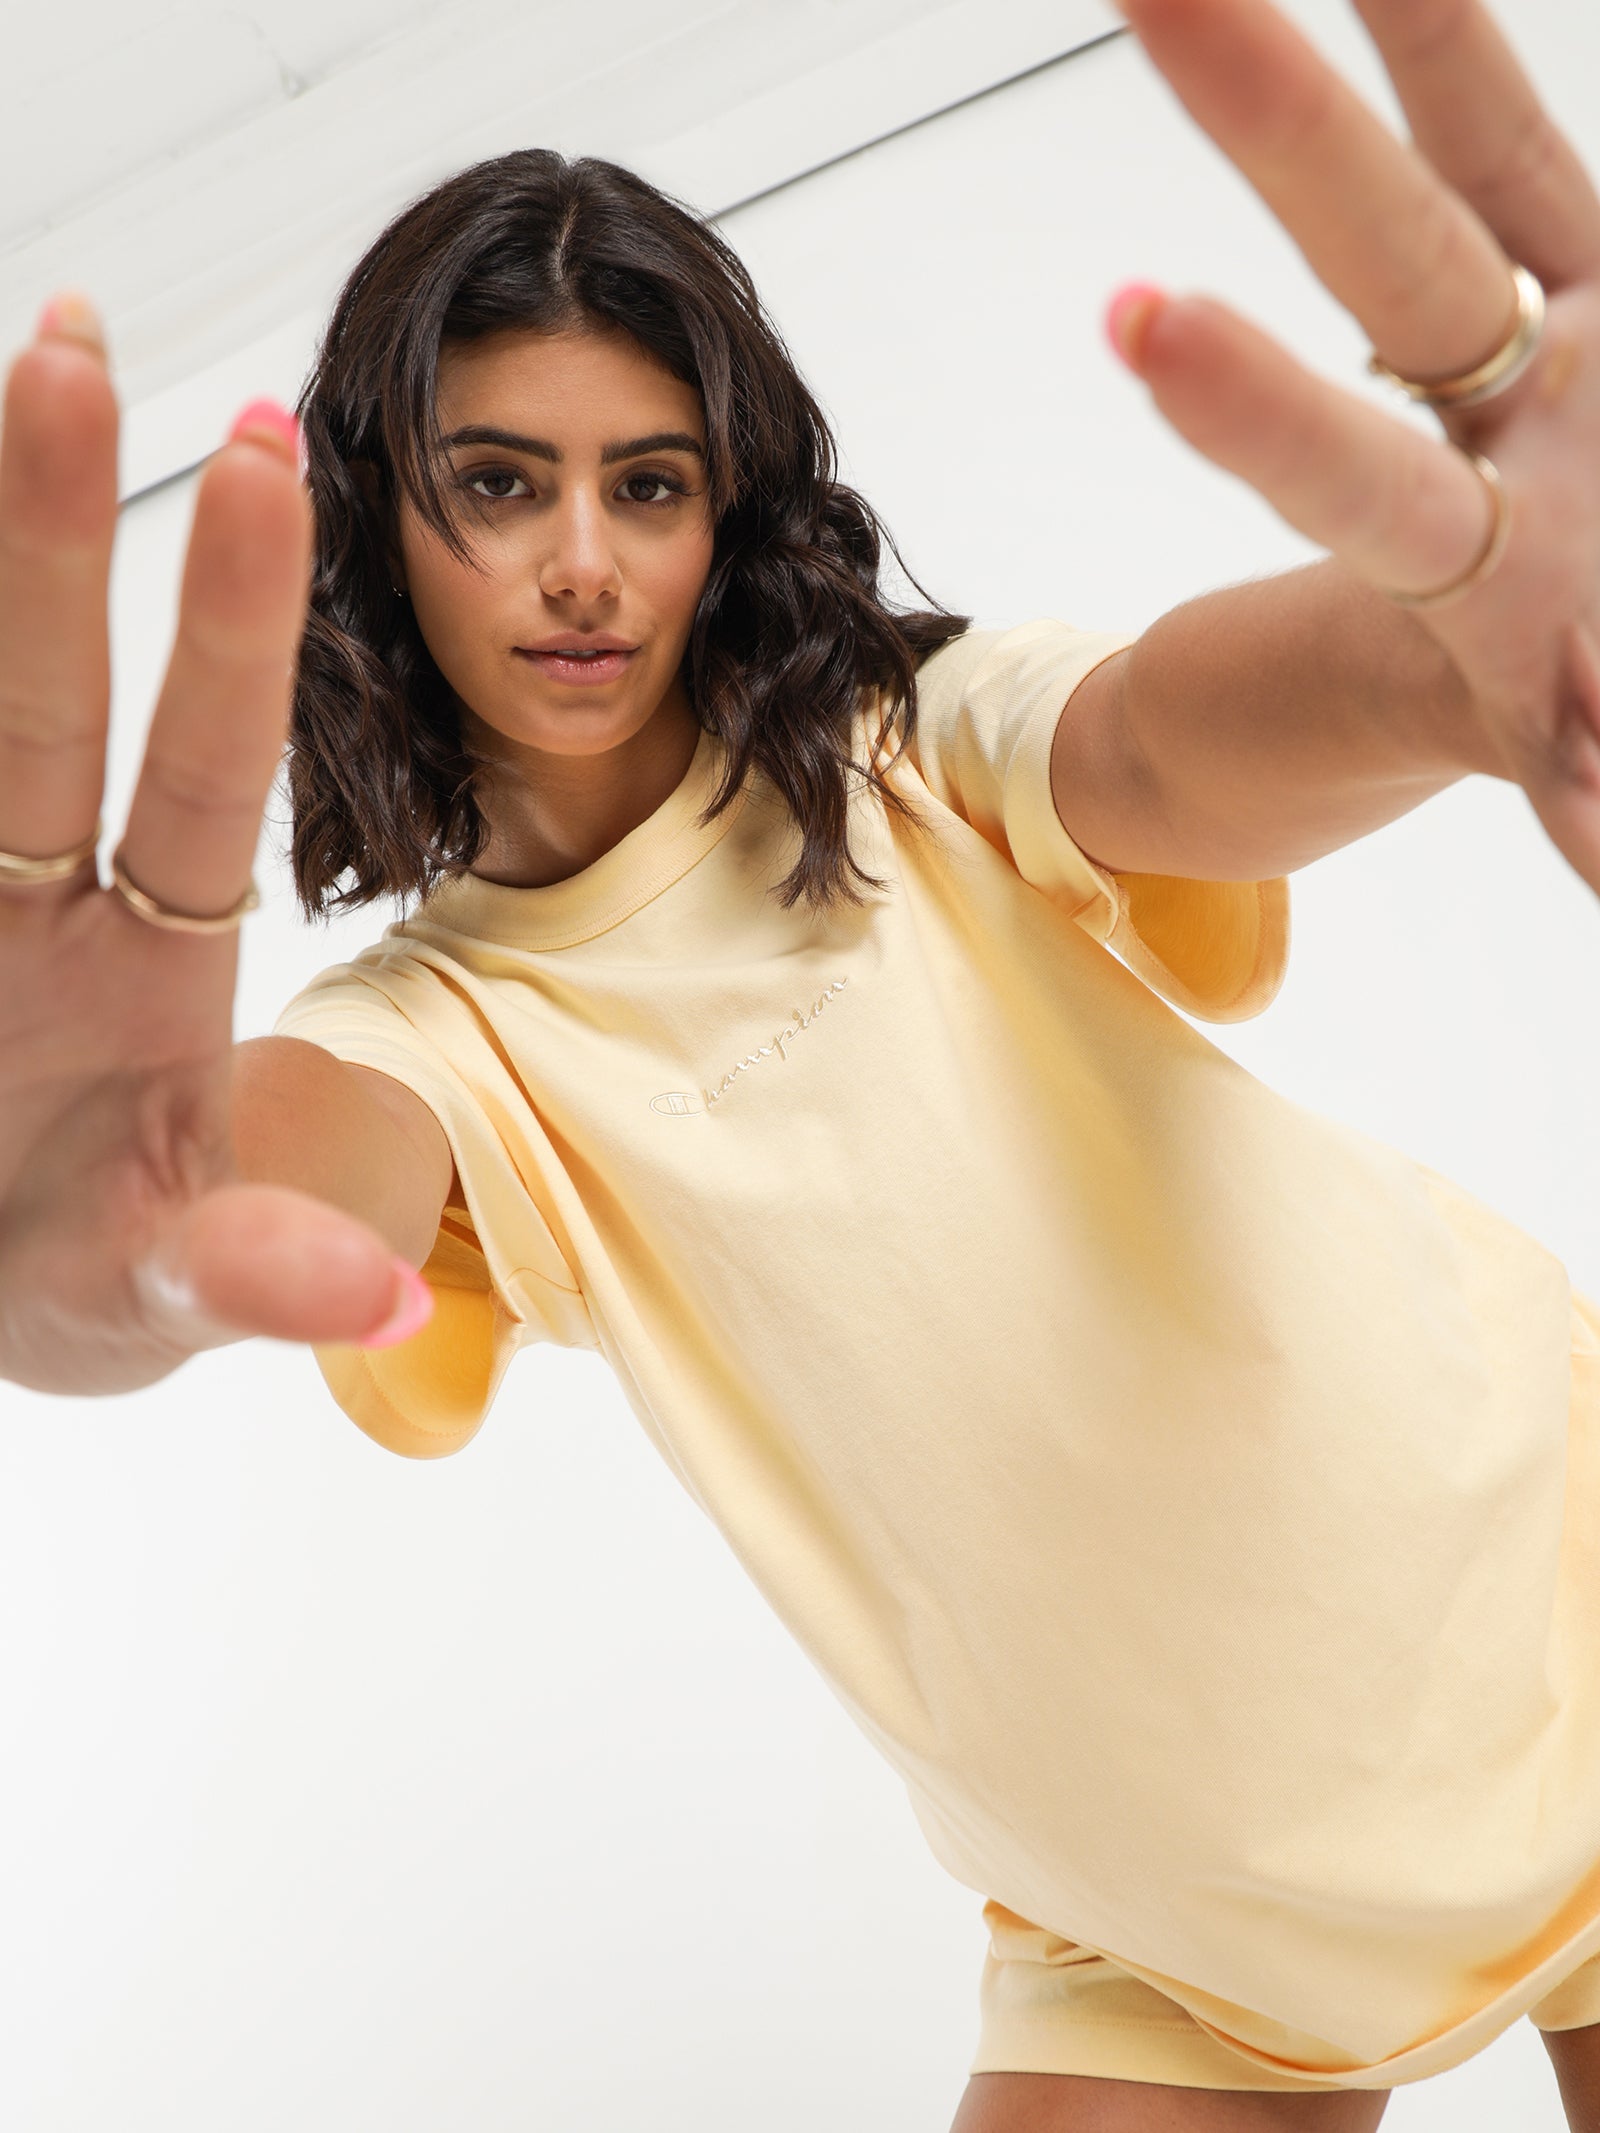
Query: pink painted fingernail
x=1128 y=319
x=70 y=314
x=268 y=423
x=411 y=1313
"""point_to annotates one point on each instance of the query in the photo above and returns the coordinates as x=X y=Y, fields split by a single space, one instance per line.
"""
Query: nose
x=580 y=562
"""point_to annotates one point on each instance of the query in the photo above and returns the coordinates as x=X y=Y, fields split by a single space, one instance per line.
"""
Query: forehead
x=581 y=380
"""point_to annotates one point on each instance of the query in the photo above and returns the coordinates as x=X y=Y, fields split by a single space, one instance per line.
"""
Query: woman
x=1189 y=1496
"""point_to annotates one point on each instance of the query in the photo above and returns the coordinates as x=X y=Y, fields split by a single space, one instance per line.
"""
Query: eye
x=490 y=474
x=655 y=478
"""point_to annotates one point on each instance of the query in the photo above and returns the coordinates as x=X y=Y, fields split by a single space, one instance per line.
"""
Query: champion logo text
x=676 y=1102
x=780 y=1039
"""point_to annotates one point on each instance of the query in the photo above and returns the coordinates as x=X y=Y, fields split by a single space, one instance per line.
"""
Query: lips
x=575 y=667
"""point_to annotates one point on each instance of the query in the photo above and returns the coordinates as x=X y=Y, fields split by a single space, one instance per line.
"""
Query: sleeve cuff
x=1216 y=949
x=498 y=1278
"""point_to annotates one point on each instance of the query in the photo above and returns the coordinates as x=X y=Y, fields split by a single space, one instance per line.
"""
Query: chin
x=576 y=728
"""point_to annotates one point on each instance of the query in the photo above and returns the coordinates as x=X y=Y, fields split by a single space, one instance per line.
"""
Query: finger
x=1378 y=226
x=1402 y=510
x=217 y=733
x=58 y=518
x=1475 y=116
x=264 y=1259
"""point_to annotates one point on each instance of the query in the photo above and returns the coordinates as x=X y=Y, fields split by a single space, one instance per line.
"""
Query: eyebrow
x=542 y=448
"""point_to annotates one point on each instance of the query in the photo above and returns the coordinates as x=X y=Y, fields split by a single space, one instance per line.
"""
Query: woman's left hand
x=1417 y=241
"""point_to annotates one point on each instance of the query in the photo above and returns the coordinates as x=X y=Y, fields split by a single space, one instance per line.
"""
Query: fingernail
x=70 y=315
x=265 y=422
x=169 y=1297
x=1128 y=320
x=413 y=1308
x=164 y=1285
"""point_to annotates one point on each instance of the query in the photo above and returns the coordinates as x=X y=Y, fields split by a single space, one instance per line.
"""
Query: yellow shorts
x=1048 y=2006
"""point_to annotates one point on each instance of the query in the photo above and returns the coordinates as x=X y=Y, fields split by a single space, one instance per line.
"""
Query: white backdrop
x=355 y=1793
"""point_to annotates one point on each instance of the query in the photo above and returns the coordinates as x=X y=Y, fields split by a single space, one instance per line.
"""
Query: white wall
x=348 y=1792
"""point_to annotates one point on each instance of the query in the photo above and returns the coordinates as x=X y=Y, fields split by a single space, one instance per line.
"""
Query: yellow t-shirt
x=1196 y=1501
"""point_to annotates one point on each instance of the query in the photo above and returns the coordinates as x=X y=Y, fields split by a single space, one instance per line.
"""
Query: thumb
x=249 y=1259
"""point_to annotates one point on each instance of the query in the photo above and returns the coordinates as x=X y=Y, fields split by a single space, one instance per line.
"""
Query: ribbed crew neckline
x=655 y=853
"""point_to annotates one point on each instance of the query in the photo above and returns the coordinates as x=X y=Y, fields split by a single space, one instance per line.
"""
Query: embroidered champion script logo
x=678 y=1102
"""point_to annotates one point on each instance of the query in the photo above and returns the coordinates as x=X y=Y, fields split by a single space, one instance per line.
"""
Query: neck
x=551 y=815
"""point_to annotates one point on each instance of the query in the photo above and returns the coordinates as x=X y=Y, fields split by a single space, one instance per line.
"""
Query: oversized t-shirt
x=1195 y=1500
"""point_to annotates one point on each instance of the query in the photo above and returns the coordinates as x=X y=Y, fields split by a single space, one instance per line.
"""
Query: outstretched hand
x=129 y=1239
x=1418 y=241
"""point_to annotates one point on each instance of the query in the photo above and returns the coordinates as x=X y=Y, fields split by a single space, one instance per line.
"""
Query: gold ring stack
x=16 y=867
x=1470 y=388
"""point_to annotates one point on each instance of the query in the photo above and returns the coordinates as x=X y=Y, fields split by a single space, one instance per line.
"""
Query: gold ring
x=178 y=921
x=14 y=867
x=1494 y=548
x=1470 y=388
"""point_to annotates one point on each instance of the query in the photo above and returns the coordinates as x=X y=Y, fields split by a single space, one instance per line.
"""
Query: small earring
x=398 y=591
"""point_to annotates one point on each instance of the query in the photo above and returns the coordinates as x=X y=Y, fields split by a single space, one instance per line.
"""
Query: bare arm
x=346 y=1134
x=1253 y=730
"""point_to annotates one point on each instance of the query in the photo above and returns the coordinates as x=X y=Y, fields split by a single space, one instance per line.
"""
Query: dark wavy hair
x=791 y=625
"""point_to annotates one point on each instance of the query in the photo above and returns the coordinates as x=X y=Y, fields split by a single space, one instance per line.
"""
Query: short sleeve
x=499 y=1278
x=987 y=708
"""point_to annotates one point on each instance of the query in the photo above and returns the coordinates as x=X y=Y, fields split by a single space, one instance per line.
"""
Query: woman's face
x=589 y=517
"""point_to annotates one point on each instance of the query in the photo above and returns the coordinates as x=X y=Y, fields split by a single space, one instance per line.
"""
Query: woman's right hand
x=127 y=1239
